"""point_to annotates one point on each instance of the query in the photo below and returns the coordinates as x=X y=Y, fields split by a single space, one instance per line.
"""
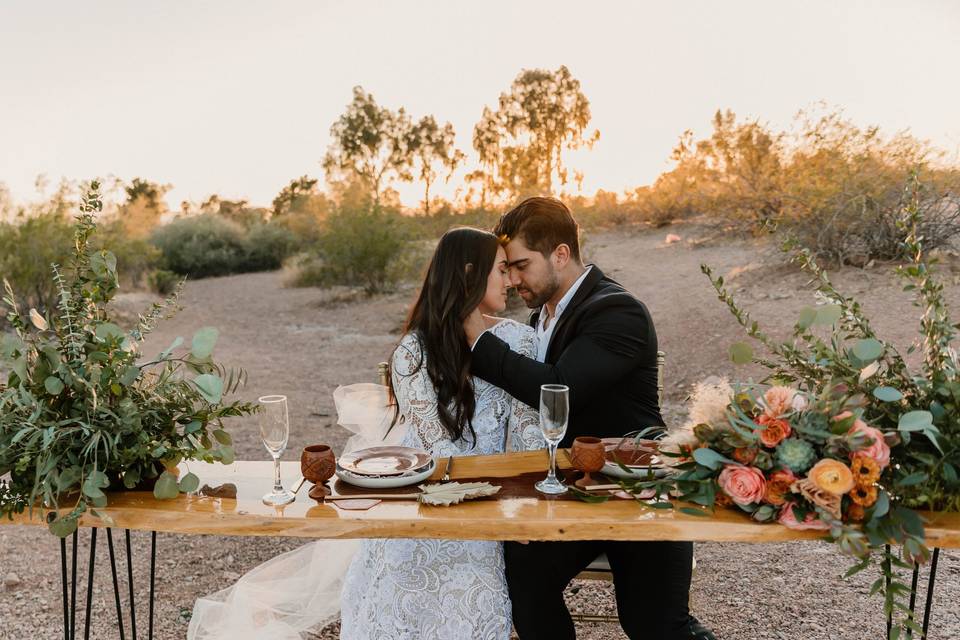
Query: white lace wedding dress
x=438 y=589
x=397 y=589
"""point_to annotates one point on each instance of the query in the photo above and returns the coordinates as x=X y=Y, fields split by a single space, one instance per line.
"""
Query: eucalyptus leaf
x=868 y=349
x=915 y=421
x=63 y=526
x=692 y=511
x=709 y=458
x=828 y=314
x=53 y=385
x=741 y=353
x=189 y=483
x=887 y=394
x=166 y=487
x=210 y=387
x=109 y=331
x=166 y=352
x=204 y=341
x=222 y=436
x=807 y=317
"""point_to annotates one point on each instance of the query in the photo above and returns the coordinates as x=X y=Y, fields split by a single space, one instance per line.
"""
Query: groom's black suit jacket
x=604 y=347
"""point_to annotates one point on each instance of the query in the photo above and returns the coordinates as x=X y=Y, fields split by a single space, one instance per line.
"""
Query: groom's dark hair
x=543 y=224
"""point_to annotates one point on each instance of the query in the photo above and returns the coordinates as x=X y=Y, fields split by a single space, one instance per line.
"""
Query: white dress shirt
x=544 y=333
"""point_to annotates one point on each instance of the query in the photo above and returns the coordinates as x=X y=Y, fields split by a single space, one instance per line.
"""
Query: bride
x=407 y=588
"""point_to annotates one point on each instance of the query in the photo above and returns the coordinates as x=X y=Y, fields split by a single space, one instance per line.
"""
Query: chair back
x=661 y=358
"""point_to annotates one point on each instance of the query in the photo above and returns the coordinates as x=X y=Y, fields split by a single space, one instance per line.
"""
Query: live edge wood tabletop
x=508 y=516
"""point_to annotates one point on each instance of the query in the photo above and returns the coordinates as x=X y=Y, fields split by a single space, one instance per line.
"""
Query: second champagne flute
x=554 y=414
x=275 y=431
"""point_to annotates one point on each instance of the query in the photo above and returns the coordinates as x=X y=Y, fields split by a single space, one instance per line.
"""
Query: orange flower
x=832 y=476
x=744 y=455
x=864 y=496
x=722 y=499
x=855 y=512
x=773 y=430
x=778 y=486
x=865 y=470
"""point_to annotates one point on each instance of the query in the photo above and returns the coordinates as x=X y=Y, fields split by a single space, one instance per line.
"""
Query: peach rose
x=744 y=485
x=789 y=519
x=832 y=476
x=778 y=401
x=773 y=431
x=877 y=450
x=778 y=486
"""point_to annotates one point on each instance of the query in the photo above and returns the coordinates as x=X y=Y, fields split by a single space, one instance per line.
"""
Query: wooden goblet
x=588 y=455
x=317 y=464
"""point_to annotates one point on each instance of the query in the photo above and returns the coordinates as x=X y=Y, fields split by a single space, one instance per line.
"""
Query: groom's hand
x=473 y=326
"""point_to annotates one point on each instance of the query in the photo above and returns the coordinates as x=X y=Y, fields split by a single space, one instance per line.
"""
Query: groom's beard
x=535 y=298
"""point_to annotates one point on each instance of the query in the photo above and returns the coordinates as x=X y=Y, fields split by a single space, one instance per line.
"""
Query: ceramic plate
x=388 y=482
x=384 y=461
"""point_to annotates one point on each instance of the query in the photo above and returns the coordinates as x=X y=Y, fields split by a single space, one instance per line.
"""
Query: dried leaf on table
x=447 y=493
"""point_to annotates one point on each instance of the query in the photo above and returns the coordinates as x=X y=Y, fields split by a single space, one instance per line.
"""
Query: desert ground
x=305 y=342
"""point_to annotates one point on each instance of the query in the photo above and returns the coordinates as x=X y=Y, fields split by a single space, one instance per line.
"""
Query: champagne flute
x=274 y=424
x=554 y=413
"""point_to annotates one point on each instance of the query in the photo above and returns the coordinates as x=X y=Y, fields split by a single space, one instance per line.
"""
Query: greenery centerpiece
x=81 y=411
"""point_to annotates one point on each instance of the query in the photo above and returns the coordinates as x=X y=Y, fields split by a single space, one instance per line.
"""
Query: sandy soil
x=304 y=342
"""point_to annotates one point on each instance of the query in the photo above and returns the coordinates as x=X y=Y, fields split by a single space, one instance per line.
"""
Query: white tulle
x=299 y=590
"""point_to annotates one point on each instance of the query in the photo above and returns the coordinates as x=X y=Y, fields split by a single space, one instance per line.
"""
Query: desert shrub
x=367 y=247
x=163 y=282
x=268 y=245
x=27 y=249
x=836 y=187
x=202 y=246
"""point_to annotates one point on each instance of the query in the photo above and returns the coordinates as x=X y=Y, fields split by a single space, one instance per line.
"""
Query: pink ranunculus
x=789 y=519
x=745 y=485
x=778 y=401
x=878 y=450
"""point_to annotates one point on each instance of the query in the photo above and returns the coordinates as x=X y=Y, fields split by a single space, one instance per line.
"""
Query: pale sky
x=237 y=97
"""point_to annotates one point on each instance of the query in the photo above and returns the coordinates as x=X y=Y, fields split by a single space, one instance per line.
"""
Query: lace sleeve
x=523 y=425
x=417 y=400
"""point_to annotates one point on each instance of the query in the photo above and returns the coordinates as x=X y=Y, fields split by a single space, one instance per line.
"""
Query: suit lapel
x=586 y=288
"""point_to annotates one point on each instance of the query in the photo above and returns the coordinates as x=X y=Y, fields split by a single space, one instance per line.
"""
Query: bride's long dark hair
x=454 y=286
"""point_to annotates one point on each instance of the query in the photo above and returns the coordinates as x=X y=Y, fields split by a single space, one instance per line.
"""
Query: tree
x=143 y=208
x=293 y=196
x=431 y=145
x=521 y=143
x=370 y=143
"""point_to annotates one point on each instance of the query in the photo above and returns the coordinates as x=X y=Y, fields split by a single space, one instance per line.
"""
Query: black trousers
x=652 y=582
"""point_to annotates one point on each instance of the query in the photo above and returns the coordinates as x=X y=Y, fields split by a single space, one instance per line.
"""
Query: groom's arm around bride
x=599 y=340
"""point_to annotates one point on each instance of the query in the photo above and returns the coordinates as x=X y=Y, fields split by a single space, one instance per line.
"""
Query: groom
x=598 y=339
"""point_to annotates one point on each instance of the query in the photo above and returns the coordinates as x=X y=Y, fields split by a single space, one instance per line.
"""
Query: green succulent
x=795 y=454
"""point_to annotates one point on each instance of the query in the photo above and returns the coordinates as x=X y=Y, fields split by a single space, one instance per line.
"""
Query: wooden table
x=504 y=517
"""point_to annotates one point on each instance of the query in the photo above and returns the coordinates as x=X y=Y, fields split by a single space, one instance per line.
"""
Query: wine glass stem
x=277 y=487
x=552 y=474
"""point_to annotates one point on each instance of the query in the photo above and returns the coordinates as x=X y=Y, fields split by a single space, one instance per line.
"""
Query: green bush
x=211 y=245
x=365 y=247
x=163 y=282
x=27 y=249
x=202 y=246
x=268 y=245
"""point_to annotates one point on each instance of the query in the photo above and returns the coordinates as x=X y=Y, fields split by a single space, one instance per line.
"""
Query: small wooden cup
x=317 y=464
x=588 y=455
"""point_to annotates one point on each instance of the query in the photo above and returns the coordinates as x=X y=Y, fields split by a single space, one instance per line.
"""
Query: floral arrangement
x=842 y=435
x=82 y=412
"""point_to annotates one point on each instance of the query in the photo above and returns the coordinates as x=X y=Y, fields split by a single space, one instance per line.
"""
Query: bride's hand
x=474 y=325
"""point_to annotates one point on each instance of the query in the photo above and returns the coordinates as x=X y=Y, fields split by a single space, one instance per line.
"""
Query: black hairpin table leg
x=70 y=595
x=931 y=584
